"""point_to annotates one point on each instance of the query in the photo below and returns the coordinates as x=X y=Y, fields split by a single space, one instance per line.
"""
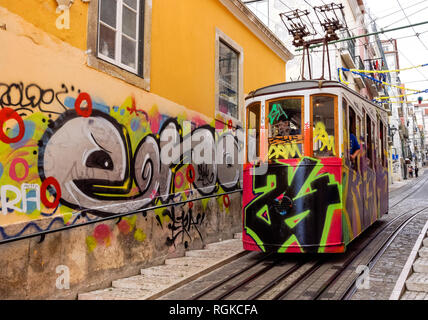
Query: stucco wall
x=77 y=145
x=49 y=136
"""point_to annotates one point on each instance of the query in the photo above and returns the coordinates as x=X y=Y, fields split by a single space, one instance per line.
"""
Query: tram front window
x=323 y=110
x=285 y=128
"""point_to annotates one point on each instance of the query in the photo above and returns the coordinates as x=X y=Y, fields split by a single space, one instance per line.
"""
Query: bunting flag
x=382 y=82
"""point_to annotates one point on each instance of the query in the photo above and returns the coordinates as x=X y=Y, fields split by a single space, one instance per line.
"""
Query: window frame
x=336 y=123
x=140 y=79
x=220 y=116
x=247 y=123
x=302 y=130
x=119 y=34
x=370 y=146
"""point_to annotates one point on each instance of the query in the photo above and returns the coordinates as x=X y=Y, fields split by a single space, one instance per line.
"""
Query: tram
x=316 y=172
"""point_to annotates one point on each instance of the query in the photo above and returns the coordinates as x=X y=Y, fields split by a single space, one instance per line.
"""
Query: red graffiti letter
x=8 y=114
x=50 y=181
x=88 y=110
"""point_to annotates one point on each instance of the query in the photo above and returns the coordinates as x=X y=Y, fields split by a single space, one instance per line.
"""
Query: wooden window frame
x=259 y=103
x=267 y=111
x=372 y=133
x=336 y=123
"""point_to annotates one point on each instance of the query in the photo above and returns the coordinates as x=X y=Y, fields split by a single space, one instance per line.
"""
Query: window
x=346 y=139
x=382 y=142
x=228 y=80
x=118 y=32
x=369 y=135
x=323 y=122
x=253 y=132
x=353 y=129
x=285 y=121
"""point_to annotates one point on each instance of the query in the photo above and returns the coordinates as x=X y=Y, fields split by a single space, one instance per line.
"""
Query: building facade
x=93 y=96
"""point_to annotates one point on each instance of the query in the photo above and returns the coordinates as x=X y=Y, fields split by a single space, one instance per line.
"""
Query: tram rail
x=306 y=267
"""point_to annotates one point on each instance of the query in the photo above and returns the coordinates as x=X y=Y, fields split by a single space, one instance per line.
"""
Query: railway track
x=313 y=277
x=272 y=276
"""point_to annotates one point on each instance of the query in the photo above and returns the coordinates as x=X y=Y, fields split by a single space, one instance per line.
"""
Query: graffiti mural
x=294 y=196
x=65 y=153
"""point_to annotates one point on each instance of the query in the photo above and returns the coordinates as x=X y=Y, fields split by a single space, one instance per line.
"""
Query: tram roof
x=305 y=85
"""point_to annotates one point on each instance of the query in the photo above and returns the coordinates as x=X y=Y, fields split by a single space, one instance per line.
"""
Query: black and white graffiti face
x=92 y=160
x=89 y=157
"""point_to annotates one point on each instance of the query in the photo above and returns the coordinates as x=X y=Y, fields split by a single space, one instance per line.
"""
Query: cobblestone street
x=385 y=273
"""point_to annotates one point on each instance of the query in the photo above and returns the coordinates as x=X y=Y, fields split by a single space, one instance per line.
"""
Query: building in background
x=363 y=53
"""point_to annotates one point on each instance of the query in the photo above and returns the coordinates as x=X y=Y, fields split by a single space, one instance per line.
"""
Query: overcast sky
x=388 y=14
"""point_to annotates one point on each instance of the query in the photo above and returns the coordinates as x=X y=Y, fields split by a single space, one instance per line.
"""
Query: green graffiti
x=276 y=112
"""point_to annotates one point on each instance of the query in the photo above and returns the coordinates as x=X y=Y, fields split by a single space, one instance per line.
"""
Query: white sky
x=388 y=14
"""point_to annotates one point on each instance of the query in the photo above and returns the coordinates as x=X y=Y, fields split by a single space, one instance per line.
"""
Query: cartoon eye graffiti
x=100 y=159
x=74 y=151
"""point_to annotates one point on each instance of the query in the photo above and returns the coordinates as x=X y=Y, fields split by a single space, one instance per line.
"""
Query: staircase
x=156 y=281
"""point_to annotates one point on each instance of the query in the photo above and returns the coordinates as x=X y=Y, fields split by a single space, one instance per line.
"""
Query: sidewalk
x=398 y=184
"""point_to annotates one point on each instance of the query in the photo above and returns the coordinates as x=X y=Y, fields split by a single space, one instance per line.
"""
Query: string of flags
x=379 y=76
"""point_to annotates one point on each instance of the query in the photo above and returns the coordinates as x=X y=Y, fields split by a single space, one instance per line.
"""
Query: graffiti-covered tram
x=316 y=171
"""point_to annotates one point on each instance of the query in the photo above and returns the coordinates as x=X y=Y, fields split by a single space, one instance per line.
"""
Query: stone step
x=231 y=244
x=421 y=265
x=190 y=261
x=414 y=295
x=210 y=253
x=155 y=281
x=417 y=282
x=423 y=252
x=171 y=270
x=116 y=294
x=151 y=283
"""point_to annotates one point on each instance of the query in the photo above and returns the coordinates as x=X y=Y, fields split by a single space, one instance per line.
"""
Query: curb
x=405 y=273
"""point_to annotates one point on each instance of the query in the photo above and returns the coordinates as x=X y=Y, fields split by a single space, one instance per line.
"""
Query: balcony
x=359 y=65
x=372 y=85
x=348 y=50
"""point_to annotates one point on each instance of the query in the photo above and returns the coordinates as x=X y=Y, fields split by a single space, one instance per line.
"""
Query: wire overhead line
x=417 y=34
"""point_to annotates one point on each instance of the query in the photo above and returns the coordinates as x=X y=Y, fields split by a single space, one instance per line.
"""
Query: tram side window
x=385 y=162
x=369 y=140
x=345 y=128
x=253 y=132
x=354 y=146
x=382 y=142
x=285 y=128
x=323 y=126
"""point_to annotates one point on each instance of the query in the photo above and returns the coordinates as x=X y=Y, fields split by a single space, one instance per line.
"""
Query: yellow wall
x=182 y=47
x=183 y=52
x=42 y=14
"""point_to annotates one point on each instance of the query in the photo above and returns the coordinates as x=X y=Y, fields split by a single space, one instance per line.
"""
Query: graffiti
x=101 y=172
x=284 y=151
x=320 y=134
x=182 y=223
x=205 y=176
x=27 y=99
x=289 y=200
x=276 y=112
x=67 y=154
